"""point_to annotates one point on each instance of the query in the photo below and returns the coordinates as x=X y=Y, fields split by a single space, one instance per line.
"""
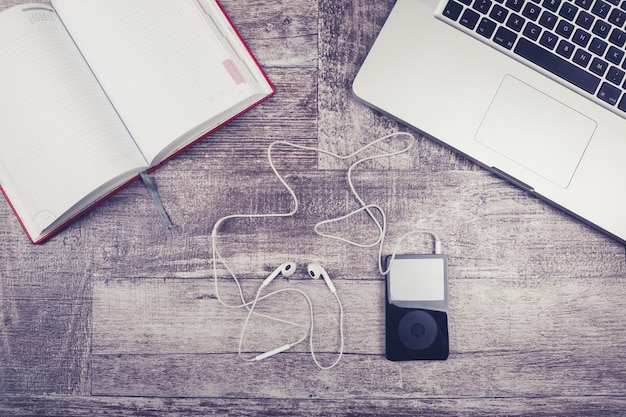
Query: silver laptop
x=533 y=90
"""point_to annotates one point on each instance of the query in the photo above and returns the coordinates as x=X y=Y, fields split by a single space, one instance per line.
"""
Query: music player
x=416 y=313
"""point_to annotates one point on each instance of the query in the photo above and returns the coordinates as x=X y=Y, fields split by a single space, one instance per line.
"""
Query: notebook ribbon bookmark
x=149 y=184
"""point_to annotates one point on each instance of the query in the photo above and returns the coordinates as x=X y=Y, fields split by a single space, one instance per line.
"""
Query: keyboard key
x=622 y=104
x=599 y=66
x=557 y=65
x=565 y=49
x=486 y=27
x=585 y=20
x=548 y=20
x=515 y=22
x=505 y=38
x=532 y=31
x=601 y=9
x=615 y=55
x=498 y=13
x=453 y=10
x=617 y=17
x=582 y=58
x=615 y=75
x=609 y=93
x=581 y=38
x=568 y=11
x=469 y=19
x=548 y=40
x=531 y=11
x=598 y=46
x=601 y=29
x=617 y=38
x=565 y=29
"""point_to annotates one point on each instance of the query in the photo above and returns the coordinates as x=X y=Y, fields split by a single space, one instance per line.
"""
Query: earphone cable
x=363 y=206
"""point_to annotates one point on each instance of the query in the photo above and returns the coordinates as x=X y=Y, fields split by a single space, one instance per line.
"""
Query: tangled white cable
x=369 y=209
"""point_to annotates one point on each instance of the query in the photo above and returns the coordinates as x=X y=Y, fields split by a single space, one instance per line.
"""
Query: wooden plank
x=49 y=406
x=486 y=232
x=151 y=316
x=283 y=34
x=44 y=330
x=184 y=316
x=498 y=374
x=171 y=338
x=346 y=33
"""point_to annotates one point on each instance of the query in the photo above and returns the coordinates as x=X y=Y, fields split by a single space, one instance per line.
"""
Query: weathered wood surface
x=544 y=348
x=117 y=316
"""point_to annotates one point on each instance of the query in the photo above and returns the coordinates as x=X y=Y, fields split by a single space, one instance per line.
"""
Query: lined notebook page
x=60 y=138
x=156 y=59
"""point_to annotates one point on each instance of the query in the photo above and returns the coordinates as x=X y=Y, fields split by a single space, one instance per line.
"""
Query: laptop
x=532 y=90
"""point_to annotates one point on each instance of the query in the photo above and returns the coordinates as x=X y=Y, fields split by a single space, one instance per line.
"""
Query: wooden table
x=118 y=316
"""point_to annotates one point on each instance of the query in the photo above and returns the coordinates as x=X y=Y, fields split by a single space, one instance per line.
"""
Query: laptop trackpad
x=536 y=131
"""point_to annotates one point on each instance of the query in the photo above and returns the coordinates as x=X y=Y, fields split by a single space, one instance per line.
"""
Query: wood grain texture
x=487 y=231
x=503 y=333
x=117 y=315
x=44 y=406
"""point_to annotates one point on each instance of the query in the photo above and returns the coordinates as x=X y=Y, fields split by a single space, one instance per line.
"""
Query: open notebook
x=93 y=92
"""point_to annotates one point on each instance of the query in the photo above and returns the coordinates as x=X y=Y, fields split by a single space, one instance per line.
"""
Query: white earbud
x=316 y=271
x=287 y=269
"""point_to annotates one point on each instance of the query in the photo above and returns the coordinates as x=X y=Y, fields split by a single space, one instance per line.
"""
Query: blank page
x=60 y=138
x=160 y=65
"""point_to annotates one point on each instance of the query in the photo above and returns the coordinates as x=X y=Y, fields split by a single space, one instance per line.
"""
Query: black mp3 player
x=416 y=312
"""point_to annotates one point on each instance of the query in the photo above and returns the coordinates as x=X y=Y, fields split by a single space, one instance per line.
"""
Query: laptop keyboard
x=579 y=41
